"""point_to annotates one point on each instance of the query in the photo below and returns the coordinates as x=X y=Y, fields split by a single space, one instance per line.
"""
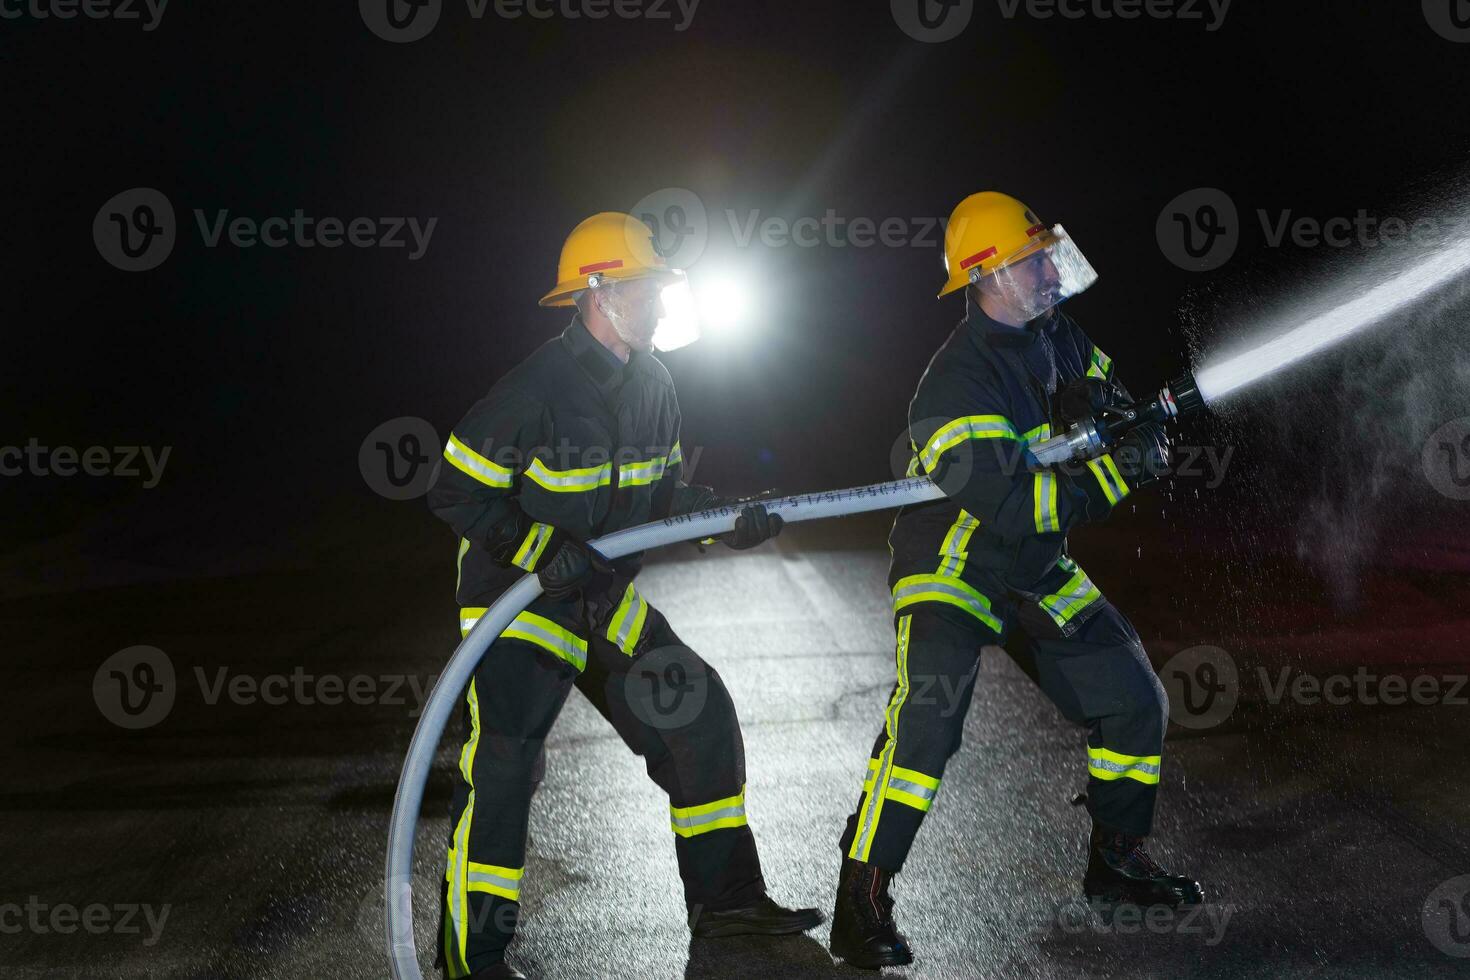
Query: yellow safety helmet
x=607 y=246
x=986 y=232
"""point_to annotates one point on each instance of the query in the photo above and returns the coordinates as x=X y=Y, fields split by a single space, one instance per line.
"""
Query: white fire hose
x=398 y=884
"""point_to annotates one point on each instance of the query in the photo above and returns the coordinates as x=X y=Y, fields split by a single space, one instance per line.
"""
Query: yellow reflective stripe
x=1105 y=471
x=1044 y=490
x=912 y=788
x=942 y=588
x=871 y=809
x=473 y=464
x=1072 y=598
x=472 y=741
x=569 y=481
x=1039 y=434
x=549 y=637
x=464 y=547
x=958 y=431
x=955 y=549
x=642 y=473
x=468 y=617
x=456 y=870
x=627 y=623
x=1101 y=365
x=491 y=879
x=676 y=455
x=531 y=548
x=691 y=821
x=1109 y=765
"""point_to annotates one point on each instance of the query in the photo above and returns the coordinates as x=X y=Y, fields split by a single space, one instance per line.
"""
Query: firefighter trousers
x=669 y=707
x=1098 y=676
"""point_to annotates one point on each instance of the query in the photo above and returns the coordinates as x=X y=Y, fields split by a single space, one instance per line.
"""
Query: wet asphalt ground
x=232 y=837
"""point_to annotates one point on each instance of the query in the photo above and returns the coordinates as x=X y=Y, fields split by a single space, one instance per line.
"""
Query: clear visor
x=680 y=325
x=1040 y=275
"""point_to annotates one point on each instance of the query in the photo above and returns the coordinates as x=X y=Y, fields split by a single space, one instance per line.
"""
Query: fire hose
x=1084 y=440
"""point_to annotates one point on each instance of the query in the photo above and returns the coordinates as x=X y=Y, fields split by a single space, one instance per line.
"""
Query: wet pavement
x=233 y=836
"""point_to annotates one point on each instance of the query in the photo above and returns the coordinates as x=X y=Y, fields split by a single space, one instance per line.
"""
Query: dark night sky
x=266 y=368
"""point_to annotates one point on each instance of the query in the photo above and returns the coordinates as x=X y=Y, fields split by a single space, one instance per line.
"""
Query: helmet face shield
x=1039 y=276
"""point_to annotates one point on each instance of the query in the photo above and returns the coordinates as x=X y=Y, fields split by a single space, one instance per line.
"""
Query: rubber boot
x=863 y=931
x=1120 y=872
x=763 y=917
x=500 y=971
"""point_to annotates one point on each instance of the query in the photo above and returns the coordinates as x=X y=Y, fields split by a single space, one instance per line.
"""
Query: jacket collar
x=600 y=365
x=984 y=330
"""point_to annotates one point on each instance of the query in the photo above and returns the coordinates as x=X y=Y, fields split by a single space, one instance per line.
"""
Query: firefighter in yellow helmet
x=988 y=566
x=580 y=440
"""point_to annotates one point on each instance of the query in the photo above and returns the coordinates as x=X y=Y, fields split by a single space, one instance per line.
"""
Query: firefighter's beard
x=634 y=322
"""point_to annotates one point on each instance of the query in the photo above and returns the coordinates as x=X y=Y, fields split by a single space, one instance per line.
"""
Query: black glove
x=1081 y=399
x=573 y=569
x=1142 y=454
x=754 y=526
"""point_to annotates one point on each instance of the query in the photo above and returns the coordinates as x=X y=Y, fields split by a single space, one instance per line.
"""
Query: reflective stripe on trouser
x=510 y=707
x=536 y=630
x=691 y=821
x=1099 y=677
x=1074 y=597
x=625 y=628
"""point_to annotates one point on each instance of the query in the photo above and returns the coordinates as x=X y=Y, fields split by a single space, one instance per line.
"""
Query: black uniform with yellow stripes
x=573 y=442
x=989 y=565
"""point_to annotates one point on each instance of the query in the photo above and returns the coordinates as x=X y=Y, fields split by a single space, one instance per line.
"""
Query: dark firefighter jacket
x=1002 y=532
x=571 y=438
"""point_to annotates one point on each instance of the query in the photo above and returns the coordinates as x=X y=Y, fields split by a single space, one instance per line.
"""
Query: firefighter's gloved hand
x=1142 y=454
x=574 y=568
x=754 y=526
x=1081 y=399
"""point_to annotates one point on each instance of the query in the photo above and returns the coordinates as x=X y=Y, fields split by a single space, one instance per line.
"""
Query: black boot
x=762 y=917
x=1120 y=872
x=863 y=932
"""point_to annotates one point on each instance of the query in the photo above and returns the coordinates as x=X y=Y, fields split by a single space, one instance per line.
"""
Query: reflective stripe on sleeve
x=569 y=481
x=467 y=461
x=1105 y=471
x=532 y=548
x=1044 y=490
x=960 y=430
x=1101 y=366
x=642 y=473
